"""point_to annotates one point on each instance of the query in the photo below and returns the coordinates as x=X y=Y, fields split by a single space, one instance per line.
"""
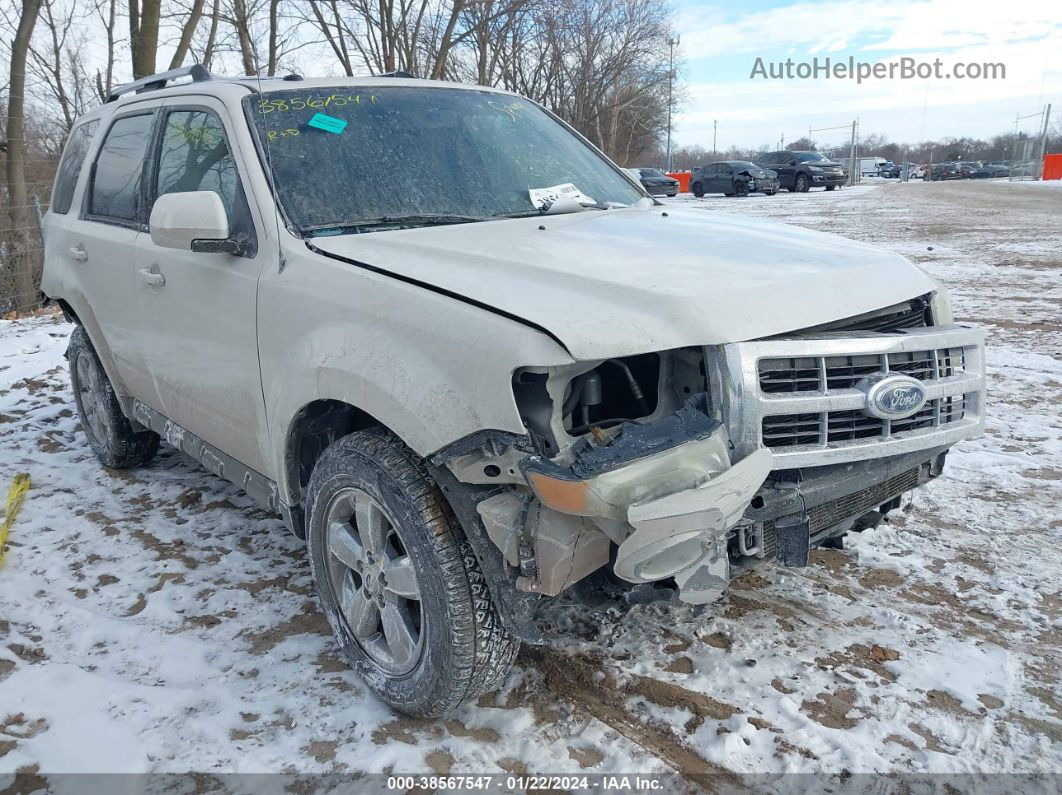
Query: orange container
x=684 y=180
x=1052 y=166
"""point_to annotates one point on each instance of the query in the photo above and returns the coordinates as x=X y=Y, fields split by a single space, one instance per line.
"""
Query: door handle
x=78 y=254
x=150 y=277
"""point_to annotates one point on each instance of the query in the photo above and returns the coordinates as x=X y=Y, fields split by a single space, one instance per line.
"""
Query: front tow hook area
x=684 y=535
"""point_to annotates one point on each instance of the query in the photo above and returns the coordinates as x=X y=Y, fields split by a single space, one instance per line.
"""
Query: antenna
x=267 y=148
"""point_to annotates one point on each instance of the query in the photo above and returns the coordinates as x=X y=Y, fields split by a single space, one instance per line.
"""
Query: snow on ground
x=154 y=620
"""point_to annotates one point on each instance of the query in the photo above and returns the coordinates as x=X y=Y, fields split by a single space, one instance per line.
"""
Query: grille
x=807 y=373
x=825 y=516
x=792 y=430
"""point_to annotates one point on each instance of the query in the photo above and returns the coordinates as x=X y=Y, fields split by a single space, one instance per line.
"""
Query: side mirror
x=193 y=221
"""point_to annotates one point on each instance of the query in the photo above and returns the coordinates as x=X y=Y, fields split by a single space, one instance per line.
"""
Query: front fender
x=430 y=367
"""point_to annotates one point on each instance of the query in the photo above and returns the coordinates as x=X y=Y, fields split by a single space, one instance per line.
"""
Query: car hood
x=626 y=281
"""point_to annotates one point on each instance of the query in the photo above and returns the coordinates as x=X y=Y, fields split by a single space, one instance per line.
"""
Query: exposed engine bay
x=628 y=462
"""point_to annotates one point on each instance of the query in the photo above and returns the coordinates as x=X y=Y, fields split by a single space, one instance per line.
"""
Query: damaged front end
x=626 y=462
x=684 y=465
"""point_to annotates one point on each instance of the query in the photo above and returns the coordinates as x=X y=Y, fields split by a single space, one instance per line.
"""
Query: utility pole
x=1042 y=149
x=715 y=132
x=671 y=43
x=852 y=157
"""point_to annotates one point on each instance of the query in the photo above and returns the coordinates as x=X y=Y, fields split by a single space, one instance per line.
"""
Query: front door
x=197 y=311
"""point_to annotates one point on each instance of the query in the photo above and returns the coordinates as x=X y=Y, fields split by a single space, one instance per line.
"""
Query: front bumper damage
x=665 y=493
x=663 y=500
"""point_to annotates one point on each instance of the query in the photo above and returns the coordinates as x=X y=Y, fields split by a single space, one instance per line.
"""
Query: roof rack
x=398 y=73
x=196 y=71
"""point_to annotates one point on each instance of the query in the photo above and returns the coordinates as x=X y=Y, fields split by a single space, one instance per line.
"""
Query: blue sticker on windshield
x=327 y=123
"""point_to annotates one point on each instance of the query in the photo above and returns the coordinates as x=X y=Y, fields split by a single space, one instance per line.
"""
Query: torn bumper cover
x=665 y=492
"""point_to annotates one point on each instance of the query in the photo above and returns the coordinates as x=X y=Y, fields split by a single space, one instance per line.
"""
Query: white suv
x=474 y=364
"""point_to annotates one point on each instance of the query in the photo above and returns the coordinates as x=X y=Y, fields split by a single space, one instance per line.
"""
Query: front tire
x=108 y=430
x=398 y=582
x=741 y=189
x=801 y=184
x=830 y=187
x=698 y=190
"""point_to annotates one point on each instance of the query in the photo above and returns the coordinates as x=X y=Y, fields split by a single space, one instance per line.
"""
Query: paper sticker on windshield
x=327 y=123
x=544 y=198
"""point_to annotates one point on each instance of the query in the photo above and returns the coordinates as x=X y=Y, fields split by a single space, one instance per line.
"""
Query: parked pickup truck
x=474 y=364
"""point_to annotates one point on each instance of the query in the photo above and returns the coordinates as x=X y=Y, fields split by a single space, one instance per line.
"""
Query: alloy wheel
x=373 y=581
x=92 y=398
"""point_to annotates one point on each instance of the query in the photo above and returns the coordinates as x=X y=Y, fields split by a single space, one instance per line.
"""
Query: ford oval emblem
x=892 y=397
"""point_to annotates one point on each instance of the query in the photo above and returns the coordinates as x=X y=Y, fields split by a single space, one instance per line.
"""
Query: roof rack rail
x=196 y=71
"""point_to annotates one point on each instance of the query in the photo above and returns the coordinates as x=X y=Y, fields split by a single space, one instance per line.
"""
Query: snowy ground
x=154 y=620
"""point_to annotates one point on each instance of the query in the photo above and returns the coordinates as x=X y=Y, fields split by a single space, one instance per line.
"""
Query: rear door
x=102 y=241
x=726 y=178
x=198 y=311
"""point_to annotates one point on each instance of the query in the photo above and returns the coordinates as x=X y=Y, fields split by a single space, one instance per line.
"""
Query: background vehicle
x=423 y=386
x=991 y=171
x=942 y=171
x=733 y=178
x=871 y=166
x=655 y=181
x=967 y=168
x=801 y=171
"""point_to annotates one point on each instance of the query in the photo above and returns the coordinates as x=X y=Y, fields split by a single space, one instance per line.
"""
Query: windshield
x=346 y=156
x=806 y=157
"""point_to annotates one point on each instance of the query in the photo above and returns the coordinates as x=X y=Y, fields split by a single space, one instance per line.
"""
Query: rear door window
x=115 y=193
x=77 y=147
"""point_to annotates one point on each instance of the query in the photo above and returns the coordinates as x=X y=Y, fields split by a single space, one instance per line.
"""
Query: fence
x=21 y=257
x=21 y=244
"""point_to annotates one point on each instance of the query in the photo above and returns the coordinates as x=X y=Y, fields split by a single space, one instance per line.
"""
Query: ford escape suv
x=433 y=328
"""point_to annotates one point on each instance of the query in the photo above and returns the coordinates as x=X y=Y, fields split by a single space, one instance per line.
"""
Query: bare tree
x=56 y=60
x=15 y=146
x=144 y=17
x=188 y=29
x=107 y=11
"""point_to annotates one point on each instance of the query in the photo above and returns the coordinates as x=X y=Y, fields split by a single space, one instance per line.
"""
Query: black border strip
x=441 y=291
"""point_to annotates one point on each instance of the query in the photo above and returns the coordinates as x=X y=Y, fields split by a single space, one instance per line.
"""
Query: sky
x=721 y=41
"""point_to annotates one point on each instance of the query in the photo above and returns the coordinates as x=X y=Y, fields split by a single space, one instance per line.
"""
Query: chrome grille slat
x=797 y=396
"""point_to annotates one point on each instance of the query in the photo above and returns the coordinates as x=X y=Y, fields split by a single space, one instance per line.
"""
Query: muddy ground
x=154 y=620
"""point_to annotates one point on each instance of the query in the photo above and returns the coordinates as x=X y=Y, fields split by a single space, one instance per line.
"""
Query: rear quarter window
x=74 y=153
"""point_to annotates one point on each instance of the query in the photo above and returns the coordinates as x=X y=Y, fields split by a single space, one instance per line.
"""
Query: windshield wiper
x=407 y=221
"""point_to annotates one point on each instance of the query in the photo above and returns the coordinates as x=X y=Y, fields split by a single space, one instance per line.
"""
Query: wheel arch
x=310 y=431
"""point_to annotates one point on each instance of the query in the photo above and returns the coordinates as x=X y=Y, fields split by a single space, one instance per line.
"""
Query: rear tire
x=698 y=190
x=109 y=432
x=398 y=582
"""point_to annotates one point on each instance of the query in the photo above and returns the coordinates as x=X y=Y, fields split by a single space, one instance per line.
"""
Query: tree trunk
x=144 y=35
x=438 y=71
x=212 y=35
x=187 y=32
x=243 y=34
x=18 y=201
x=271 y=68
